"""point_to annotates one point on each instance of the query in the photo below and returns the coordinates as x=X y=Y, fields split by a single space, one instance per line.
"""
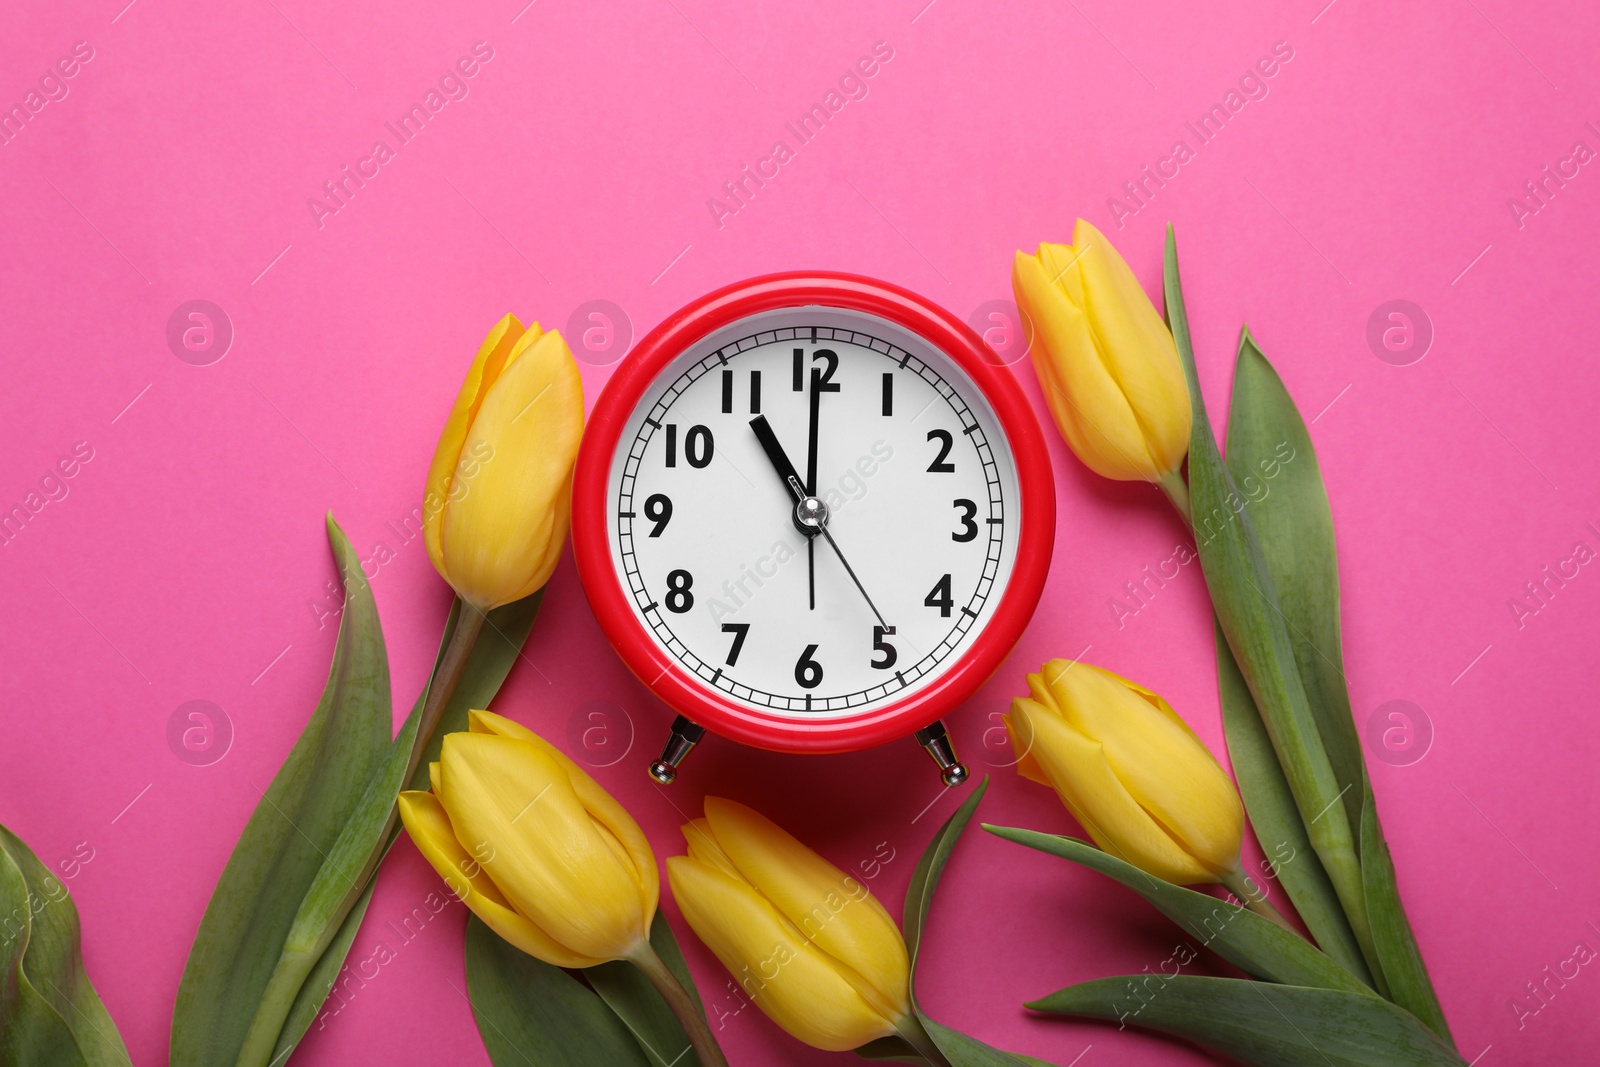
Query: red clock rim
x=681 y=690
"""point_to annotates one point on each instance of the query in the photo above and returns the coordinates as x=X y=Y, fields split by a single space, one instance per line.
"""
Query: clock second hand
x=812 y=512
x=790 y=479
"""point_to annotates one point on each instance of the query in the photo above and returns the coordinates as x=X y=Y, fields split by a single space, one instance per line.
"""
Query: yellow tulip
x=807 y=942
x=499 y=496
x=1105 y=359
x=534 y=846
x=1131 y=771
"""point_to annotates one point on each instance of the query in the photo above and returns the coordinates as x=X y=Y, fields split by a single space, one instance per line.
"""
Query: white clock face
x=918 y=497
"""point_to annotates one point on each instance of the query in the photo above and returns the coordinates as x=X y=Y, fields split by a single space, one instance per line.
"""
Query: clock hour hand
x=780 y=460
x=811 y=513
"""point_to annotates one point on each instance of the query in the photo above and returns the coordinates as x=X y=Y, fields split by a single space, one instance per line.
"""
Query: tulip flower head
x=1130 y=771
x=808 y=943
x=499 y=496
x=534 y=846
x=1105 y=359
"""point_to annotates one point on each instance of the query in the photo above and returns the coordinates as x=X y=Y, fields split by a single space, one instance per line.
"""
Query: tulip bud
x=499 y=496
x=534 y=846
x=808 y=943
x=1105 y=359
x=1130 y=771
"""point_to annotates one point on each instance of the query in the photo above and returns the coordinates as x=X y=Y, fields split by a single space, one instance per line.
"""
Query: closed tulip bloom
x=499 y=495
x=1131 y=771
x=1105 y=359
x=808 y=943
x=534 y=846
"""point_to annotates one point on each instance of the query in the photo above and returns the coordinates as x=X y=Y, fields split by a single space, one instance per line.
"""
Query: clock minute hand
x=811 y=513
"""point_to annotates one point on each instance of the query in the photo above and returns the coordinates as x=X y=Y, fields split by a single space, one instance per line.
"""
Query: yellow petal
x=433 y=776
x=1055 y=668
x=1137 y=347
x=788 y=978
x=599 y=803
x=835 y=911
x=552 y=861
x=425 y=820
x=481 y=375
x=1060 y=263
x=703 y=848
x=1086 y=401
x=1020 y=731
x=1077 y=768
x=501 y=540
x=1159 y=760
x=1037 y=688
x=1155 y=700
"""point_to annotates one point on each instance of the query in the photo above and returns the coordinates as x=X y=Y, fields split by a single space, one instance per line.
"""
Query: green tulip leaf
x=1256 y=945
x=245 y=932
x=925 y=878
x=50 y=1015
x=1246 y=604
x=319 y=983
x=963 y=1050
x=376 y=825
x=32 y=1031
x=1261 y=1023
x=1271 y=456
x=1270 y=449
x=372 y=830
x=331 y=912
x=899 y=1050
x=896 y=1049
x=1272 y=460
x=629 y=993
x=531 y=1014
x=1276 y=821
x=292 y=897
x=1398 y=954
x=958 y=1048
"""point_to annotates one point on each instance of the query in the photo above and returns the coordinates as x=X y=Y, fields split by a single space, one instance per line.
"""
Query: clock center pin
x=810 y=513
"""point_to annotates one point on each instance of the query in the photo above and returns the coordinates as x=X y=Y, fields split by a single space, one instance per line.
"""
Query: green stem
x=469 y=624
x=1177 y=491
x=910 y=1027
x=1255 y=898
x=683 y=1006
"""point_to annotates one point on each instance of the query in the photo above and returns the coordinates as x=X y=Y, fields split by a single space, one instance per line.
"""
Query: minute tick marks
x=892 y=432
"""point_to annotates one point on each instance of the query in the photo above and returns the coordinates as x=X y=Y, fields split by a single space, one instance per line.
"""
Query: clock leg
x=685 y=735
x=936 y=739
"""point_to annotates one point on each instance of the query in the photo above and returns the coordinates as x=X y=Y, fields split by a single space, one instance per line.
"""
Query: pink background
x=187 y=557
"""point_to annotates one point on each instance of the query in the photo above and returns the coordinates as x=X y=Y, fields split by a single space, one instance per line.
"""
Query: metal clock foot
x=685 y=735
x=936 y=739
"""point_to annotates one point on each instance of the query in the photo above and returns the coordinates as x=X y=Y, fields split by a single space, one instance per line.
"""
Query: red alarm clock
x=812 y=515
